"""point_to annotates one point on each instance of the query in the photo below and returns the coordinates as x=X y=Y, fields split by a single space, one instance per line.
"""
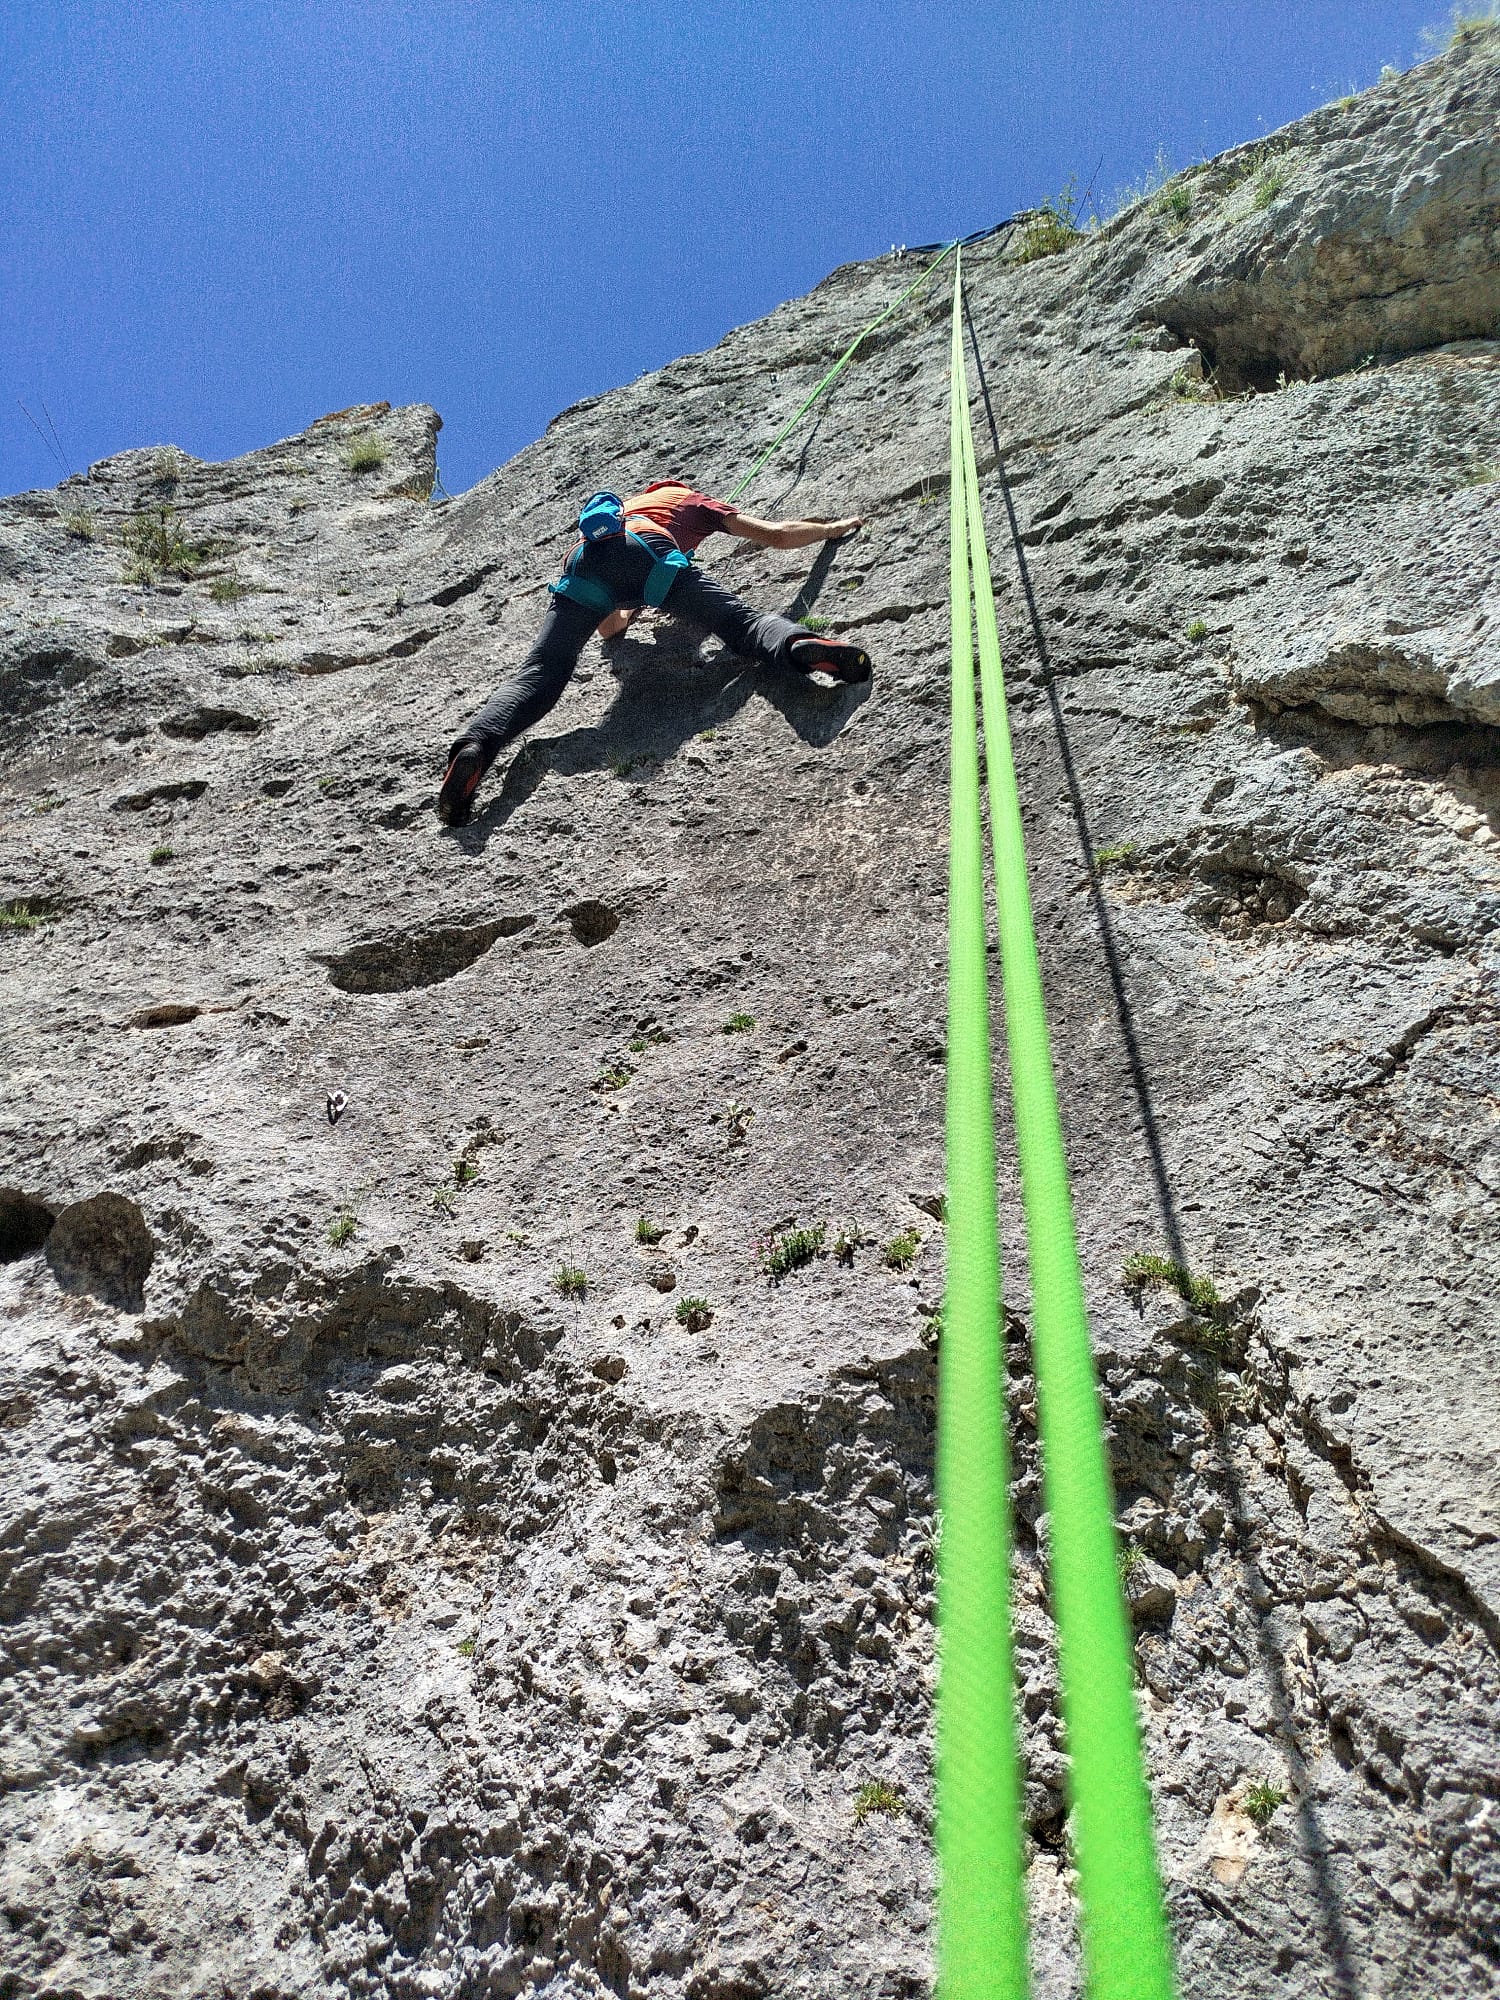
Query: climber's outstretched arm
x=790 y=534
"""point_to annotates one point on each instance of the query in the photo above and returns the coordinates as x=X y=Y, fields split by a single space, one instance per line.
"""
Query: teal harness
x=596 y=596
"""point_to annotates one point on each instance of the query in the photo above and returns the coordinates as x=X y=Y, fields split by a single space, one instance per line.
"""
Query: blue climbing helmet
x=600 y=515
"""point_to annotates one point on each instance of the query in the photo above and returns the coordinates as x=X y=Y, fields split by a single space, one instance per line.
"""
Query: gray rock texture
x=379 y=1618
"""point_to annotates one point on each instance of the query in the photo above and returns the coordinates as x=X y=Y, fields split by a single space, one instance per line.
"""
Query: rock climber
x=661 y=525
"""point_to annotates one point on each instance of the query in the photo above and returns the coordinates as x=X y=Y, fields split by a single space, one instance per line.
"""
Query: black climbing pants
x=538 y=682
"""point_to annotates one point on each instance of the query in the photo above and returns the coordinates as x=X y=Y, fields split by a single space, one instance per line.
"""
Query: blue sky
x=221 y=218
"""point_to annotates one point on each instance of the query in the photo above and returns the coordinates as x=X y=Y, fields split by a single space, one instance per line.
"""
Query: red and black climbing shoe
x=455 y=799
x=838 y=657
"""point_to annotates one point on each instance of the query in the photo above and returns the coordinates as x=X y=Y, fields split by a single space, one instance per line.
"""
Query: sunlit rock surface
x=378 y=1620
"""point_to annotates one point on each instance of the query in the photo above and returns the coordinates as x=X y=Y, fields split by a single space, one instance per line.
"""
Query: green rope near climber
x=1123 y=1923
x=836 y=370
x=981 y=1894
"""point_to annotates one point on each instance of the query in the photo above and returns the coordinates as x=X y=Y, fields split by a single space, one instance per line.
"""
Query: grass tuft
x=876 y=1796
x=82 y=525
x=159 y=546
x=570 y=1282
x=846 y=1243
x=465 y=1649
x=1464 y=27
x=1261 y=1801
x=695 y=1314
x=228 y=589
x=780 y=1255
x=1146 y=1272
x=160 y=855
x=342 y=1228
x=1174 y=203
x=739 y=1024
x=1122 y=856
x=1270 y=181
x=1197 y=632
x=811 y=624
x=366 y=454
x=901 y=1252
x=23 y=915
x=649 y=1232
x=1131 y=1557
x=1052 y=228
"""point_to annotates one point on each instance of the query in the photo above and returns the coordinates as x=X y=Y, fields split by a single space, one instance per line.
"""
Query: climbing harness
x=601 y=517
x=981 y=1916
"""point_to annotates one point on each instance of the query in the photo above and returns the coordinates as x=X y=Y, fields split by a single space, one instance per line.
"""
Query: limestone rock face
x=436 y=1558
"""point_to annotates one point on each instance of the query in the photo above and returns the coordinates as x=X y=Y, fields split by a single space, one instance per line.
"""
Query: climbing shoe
x=455 y=799
x=831 y=656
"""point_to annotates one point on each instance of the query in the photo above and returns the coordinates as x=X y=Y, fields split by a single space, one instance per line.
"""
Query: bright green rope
x=1124 y=1929
x=836 y=370
x=981 y=1900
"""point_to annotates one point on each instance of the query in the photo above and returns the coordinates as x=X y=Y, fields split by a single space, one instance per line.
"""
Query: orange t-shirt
x=686 y=516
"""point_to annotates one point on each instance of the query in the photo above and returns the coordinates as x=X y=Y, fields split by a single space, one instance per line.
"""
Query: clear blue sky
x=221 y=218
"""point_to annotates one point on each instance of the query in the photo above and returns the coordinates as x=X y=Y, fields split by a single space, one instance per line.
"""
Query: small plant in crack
x=1190 y=387
x=901 y=1252
x=465 y=1649
x=931 y=1331
x=158 y=545
x=517 y=1238
x=341 y=1229
x=1144 y=1271
x=569 y=1282
x=445 y=1198
x=1174 y=204
x=649 y=1036
x=876 y=1796
x=161 y=855
x=465 y=1172
x=1261 y=1801
x=739 y=1024
x=846 y=1243
x=1131 y=1561
x=1197 y=631
x=695 y=1314
x=788 y=1252
x=737 y=1117
x=811 y=624
x=1122 y=856
x=648 y=1232
x=1270 y=182
x=613 y=1076
x=228 y=589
